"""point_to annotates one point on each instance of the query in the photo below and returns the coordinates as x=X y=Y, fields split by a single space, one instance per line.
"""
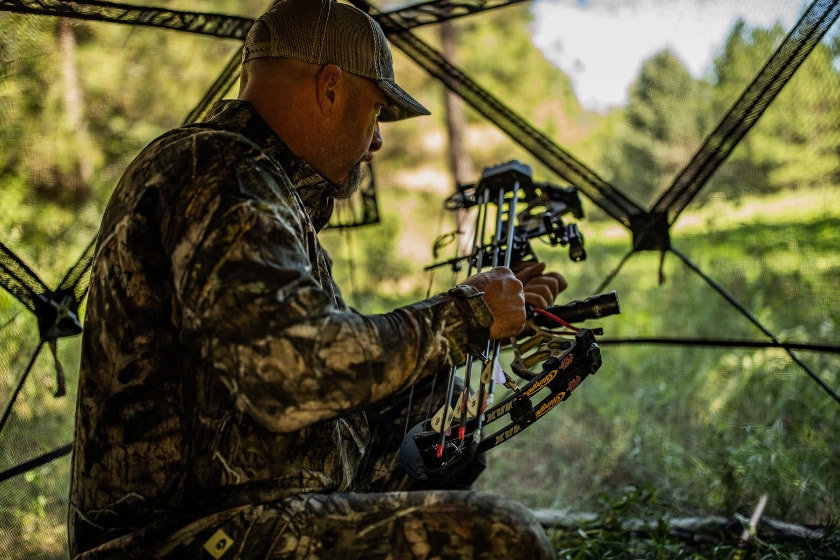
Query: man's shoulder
x=194 y=152
x=200 y=139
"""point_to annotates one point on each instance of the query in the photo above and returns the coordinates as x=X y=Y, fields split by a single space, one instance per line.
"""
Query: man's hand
x=541 y=288
x=506 y=295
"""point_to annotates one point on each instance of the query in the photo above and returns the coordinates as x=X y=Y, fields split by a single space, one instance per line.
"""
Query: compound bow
x=551 y=356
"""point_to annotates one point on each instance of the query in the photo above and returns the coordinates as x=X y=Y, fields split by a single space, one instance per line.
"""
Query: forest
x=675 y=430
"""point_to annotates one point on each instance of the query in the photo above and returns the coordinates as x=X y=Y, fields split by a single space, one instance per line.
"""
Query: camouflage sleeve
x=255 y=301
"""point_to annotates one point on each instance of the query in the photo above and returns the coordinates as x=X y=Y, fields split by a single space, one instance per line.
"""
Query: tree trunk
x=456 y=126
x=74 y=101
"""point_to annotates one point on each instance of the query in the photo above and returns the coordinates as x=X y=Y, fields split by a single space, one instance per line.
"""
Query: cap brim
x=403 y=107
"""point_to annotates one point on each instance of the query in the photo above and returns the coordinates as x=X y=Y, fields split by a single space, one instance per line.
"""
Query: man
x=230 y=404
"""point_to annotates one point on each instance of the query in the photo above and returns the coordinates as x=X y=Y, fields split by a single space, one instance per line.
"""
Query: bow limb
x=424 y=457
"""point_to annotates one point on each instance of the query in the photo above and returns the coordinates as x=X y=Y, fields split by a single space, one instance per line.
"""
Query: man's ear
x=328 y=87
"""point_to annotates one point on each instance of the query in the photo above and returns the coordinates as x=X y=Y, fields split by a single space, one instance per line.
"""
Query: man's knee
x=475 y=525
x=512 y=530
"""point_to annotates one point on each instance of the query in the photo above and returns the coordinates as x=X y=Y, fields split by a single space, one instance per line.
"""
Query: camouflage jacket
x=220 y=365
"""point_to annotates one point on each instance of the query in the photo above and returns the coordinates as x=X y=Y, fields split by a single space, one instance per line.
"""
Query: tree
x=662 y=125
x=495 y=49
x=796 y=142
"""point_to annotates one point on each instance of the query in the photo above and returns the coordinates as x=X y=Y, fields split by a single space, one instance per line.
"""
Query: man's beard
x=351 y=184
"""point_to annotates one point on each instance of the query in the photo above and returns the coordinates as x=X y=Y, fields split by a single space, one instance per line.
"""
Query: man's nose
x=375 y=140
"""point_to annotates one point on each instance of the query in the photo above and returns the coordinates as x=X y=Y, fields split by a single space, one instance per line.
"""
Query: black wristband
x=477 y=316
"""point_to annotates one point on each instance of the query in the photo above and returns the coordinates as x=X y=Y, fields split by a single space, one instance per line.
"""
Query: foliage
x=516 y=74
x=795 y=143
x=663 y=123
x=369 y=254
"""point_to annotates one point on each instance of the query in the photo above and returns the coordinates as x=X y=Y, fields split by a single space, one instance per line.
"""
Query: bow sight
x=550 y=355
x=510 y=184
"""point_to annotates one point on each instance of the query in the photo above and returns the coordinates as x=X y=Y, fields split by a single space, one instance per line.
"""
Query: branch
x=766 y=528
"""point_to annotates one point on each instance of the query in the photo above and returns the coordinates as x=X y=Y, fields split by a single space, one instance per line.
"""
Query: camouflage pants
x=387 y=516
x=399 y=526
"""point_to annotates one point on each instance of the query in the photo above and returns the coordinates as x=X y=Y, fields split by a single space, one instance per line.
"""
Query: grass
x=630 y=525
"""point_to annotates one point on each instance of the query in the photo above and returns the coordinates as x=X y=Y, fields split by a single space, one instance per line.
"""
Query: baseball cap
x=329 y=32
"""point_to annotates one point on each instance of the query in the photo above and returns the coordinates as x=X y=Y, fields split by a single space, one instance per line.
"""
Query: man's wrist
x=476 y=315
